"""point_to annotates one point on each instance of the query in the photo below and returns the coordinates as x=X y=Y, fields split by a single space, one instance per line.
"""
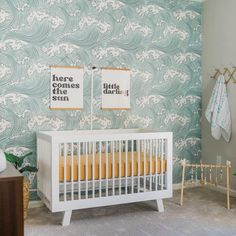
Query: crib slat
x=79 y=188
x=113 y=168
x=119 y=167
x=144 y=173
x=159 y=156
x=165 y=167
x=126 y=166
x=84 y=151
x=86 y=167
x=162 y=152
x=100 y=169
x=93 y=166
x=138 y=166
x=150 y=159
x=90 y=148
x=65 y=155
x=132 y=169
x=156 y=158
x=72 y=171
x=106 y=148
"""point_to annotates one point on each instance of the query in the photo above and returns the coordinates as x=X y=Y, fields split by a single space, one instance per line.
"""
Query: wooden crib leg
x=160 y=206
x=66 y=218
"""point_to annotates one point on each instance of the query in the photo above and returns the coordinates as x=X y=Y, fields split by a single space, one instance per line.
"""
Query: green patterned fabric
x=159 y=40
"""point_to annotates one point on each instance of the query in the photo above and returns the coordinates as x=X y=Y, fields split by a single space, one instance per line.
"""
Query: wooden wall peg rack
x=229 y=74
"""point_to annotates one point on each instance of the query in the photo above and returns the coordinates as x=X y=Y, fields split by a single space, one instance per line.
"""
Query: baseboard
x=36 y=204
x=218 y=188
x=39 y=203
x=222 y=189
x=186 y=185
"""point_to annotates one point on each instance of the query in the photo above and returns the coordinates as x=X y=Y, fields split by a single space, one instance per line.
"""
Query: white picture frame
x=66 y=88
x=115 y=89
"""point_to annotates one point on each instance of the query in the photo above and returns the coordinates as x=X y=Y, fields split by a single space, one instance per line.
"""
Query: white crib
x=84 y=169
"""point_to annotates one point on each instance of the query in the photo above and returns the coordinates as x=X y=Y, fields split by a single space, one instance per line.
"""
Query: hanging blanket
x=218 y=112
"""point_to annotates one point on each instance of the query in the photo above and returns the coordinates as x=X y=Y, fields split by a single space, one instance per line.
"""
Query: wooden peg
x=231 y=75
x=216 y=74
x=225 y=71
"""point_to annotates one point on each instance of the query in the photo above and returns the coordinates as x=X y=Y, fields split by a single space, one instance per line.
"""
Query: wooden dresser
x=11 y=202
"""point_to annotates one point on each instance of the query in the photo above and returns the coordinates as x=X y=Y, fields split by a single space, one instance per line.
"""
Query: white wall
x=219 y=50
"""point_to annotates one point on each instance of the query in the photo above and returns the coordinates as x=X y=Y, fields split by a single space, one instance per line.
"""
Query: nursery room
x=117 y=117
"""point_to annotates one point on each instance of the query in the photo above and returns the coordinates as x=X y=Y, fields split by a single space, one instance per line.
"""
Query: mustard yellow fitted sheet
x=110 y=167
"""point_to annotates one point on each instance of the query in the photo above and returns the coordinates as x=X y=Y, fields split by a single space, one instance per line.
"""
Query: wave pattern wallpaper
x=158 y=40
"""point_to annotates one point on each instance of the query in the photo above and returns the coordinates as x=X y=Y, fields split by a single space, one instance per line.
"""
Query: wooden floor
x=203 y=213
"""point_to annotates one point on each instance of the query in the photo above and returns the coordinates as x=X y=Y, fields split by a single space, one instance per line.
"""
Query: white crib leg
x=160 y=206
x=66 y=218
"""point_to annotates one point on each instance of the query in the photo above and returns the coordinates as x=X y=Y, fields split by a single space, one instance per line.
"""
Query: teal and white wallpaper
x=159 y=40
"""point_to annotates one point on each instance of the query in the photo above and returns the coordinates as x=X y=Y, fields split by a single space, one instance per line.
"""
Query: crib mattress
x=109 y=167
